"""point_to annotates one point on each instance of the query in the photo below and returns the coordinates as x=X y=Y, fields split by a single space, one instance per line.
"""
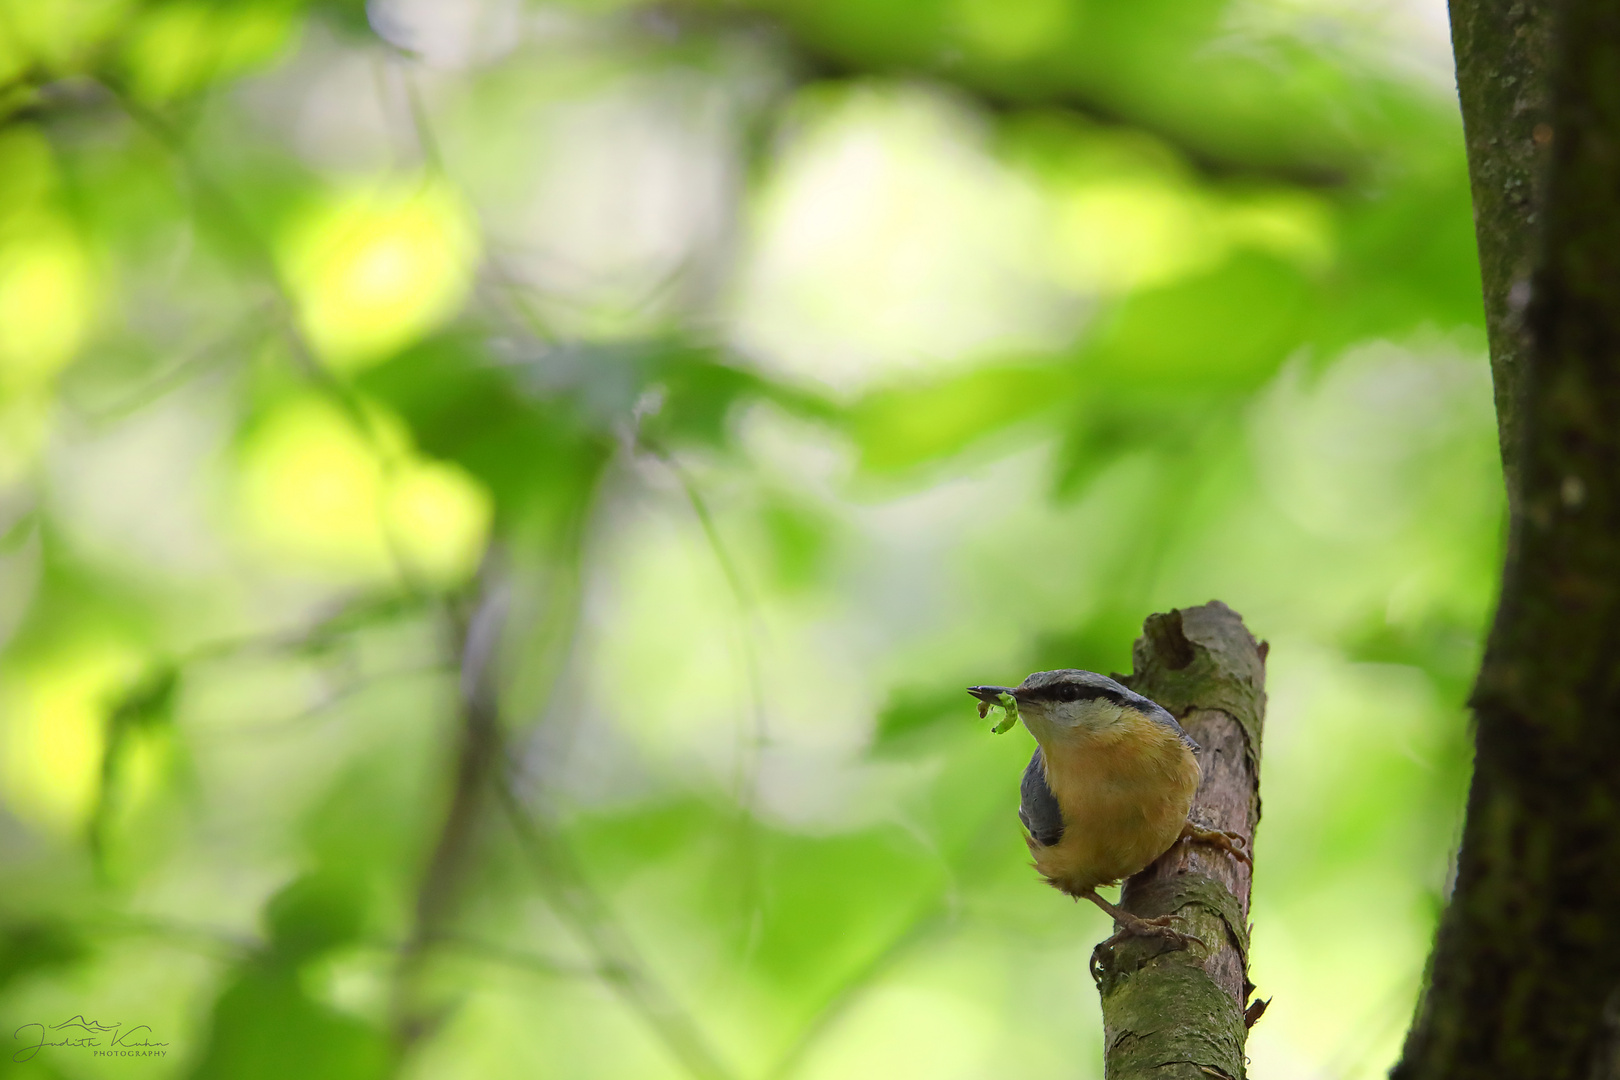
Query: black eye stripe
x=1072 y=692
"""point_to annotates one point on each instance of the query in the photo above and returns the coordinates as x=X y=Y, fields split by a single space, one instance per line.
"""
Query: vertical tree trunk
x=1181 y=1014
x=1504 y=53
x=1528 y=952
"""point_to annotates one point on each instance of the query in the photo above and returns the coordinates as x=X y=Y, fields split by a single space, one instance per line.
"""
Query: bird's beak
x=1002 y=698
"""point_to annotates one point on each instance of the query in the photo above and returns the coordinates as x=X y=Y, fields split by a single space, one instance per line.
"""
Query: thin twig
x=199 y=357
x=746 y=777
x=477 y=753
x=924 y=923
x=572 y=897
x=492 y=952
x=287 y=725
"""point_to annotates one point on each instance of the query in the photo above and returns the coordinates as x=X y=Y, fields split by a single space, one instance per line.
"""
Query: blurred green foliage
x=499 y=500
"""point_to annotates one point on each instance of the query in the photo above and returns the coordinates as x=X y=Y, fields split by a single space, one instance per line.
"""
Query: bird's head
x=1069 y=702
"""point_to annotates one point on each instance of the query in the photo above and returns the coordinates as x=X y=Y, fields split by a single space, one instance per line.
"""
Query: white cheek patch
x=1099 y=714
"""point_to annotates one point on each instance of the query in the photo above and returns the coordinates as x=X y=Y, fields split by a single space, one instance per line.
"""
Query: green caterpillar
x=1009 y=708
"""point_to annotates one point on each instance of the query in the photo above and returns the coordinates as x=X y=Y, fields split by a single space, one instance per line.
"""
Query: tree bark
x=1528 y=953
x=1181 y=1014
x=1503 y=50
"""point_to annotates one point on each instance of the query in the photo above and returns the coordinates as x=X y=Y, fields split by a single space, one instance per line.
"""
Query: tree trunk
x=1181 y=1014
x=1528 y=953
x=1504 y=52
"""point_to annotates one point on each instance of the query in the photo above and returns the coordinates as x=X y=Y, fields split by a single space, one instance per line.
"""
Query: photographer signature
x=78 y=1031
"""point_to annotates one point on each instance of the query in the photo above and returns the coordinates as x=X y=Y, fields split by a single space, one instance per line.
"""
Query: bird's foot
x=1163 y=928
x=1234 y=844
x=1128 y=926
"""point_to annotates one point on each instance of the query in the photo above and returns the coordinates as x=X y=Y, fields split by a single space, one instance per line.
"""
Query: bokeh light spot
x=374 y=270
x=320 y=493
x=55 y=35
x=179 y=48
x=45 y=299
x=1112 y=237
x=440 y=516
x=54 y=730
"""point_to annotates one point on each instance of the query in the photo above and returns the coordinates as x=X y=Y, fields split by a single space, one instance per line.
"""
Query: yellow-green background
x=788 y=365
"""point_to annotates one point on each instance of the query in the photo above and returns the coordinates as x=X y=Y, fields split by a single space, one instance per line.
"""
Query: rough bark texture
x=1180 y=1014
x=1503 y=50
x=1528 y=954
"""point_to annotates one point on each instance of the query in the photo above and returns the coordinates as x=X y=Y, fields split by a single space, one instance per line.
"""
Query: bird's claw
x=1234 y=844
x=1162 y=927
x=1135 y=926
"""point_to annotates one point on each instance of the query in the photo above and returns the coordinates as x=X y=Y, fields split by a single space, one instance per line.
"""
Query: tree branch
x=478 y=754
x=1182 y=1014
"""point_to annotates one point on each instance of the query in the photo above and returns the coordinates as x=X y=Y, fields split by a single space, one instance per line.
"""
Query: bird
x=1108 y=789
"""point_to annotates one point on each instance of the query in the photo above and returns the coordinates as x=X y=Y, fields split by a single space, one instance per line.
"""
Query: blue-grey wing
x=1039 y=810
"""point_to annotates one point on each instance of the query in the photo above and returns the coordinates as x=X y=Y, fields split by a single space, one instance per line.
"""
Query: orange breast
x=1124 y=795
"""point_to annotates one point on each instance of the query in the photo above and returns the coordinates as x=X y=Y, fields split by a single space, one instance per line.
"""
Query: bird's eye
x=1068 y=693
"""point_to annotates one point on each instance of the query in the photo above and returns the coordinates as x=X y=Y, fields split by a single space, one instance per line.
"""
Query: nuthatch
x=1108 y=788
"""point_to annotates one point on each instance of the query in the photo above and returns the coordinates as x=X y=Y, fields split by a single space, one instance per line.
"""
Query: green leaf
x=1228 y=329
x=799 y=542
x=835 y=902
x=37 y=946
x=528 y=447
x=913 y=711
x=266 y=1027
x=314 y=914
x=901 y=428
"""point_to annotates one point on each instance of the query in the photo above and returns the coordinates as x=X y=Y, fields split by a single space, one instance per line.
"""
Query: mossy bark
x=1527 y=960
x=1503 y=50
x=1171 y=1014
